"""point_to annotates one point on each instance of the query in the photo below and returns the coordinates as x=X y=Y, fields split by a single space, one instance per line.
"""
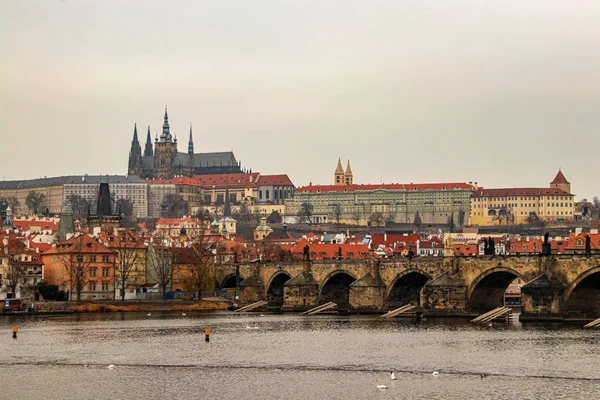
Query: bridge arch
x=229 y=282
x=487 y=290
x=336 y=288
x=274 y=289
x=583 y=295
x=406 y=288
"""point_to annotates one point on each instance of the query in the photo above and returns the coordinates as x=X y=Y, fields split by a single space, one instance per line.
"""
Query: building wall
x=53 y=200
x=485 y=210
x=100 y=284
x=156 y=195
x=137 y=193
x=434 y=206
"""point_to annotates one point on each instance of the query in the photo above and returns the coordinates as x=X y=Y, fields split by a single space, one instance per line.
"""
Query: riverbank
x=107 y=306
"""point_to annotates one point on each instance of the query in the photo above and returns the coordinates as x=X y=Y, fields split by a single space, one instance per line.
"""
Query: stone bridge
x=562 y=286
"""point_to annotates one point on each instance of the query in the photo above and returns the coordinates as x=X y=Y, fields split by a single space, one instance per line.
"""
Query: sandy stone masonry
x=557 y=286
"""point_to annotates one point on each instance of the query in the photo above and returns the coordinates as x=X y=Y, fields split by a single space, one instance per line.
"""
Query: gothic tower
x=561 y=182
x=148 y=152
x=348 y=175
x=135 y=155
x=165 y=149
x=191 y=143
x=338 y=175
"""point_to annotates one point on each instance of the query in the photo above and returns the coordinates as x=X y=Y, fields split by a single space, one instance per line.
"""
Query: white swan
x=111 y=366
x=393 y=377
x=149 y=314
x=435 y=373
x=380 y=386
x=183 y=314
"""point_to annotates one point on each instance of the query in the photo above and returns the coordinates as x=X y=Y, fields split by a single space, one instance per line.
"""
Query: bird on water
x=393 y=376
x=379 y=385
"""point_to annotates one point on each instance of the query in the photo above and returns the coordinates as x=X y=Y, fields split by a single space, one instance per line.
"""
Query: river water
x=270 y=356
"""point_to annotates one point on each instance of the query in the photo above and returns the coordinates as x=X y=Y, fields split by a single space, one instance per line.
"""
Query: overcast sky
x=500 y=92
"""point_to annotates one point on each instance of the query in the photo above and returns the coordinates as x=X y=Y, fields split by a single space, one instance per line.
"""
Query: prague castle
x=166 y=162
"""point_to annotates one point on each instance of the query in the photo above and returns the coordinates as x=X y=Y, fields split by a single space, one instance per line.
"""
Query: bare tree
x=161 y=260
x=125 y=207
x=417 y=221
x=305 y=213
x=596 y=202
x=174 y=206
x=357 y=217
x=15 y=272
x=376 y=219
x=34 y=201
x=77 y=204
x=76 y=260
x=202 y=268
x=11 y=201
x=337 y=213
x=128 y=254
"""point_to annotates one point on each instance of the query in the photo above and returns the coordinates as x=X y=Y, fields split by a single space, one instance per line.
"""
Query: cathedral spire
x=148 y=148
x=191 y=143
x=227 y=205
x=135 y=136
x=166 y=131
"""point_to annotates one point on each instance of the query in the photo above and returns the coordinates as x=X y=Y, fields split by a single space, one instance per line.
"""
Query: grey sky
x=499 y=92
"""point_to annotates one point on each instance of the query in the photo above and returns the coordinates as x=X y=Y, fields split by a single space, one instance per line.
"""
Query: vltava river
x=164 y=356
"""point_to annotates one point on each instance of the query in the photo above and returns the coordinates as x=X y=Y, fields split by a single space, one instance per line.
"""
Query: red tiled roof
x=384 y=186
x=465 y=249
x=44 y=225
x=231 y=180
x=330 y=251
x=434 y=243
x=519 y=192
x=560 y=178
x=275 y=180
x=572 y=243
x=180 y=180
x=79 y=244
x=524 y=246
x=394 y=239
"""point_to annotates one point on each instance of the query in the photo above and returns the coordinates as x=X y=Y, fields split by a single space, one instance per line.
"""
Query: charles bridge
x=557 y=287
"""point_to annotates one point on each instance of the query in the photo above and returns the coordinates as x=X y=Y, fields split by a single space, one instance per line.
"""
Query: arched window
x=260 y=194
x=267 y=194
x=280 y=194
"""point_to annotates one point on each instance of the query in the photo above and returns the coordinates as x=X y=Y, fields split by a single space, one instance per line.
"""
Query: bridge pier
x=367 y=294
x=301 y=293
x=541 y=299
x=446 y=295
x=252 y=289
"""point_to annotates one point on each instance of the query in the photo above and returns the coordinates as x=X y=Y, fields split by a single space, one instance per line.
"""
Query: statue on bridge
x=306 y=253
x=489 y=248
x=588 y=245
x=546 y=248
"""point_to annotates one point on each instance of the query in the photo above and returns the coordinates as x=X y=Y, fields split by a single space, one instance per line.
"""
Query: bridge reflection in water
x=556 y=287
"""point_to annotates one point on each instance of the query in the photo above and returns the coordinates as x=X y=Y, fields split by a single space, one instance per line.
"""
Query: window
x=105 y=286
x=92 y=286
x=105 y=259
x=260 y=194
x=105 y=272
x=93 y=271
x=267 y=194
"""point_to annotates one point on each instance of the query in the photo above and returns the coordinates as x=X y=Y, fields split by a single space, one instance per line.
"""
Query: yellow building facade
x=522 y=205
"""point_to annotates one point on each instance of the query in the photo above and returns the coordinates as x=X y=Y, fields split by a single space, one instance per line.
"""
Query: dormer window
x=579 y=242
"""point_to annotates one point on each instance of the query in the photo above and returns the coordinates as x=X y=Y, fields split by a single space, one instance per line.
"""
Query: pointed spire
x=166 y=131
x=348 y=169
x=191 y=143
x=135 y=136
x=339 y=169
x=227 y=205
x=148 y=148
